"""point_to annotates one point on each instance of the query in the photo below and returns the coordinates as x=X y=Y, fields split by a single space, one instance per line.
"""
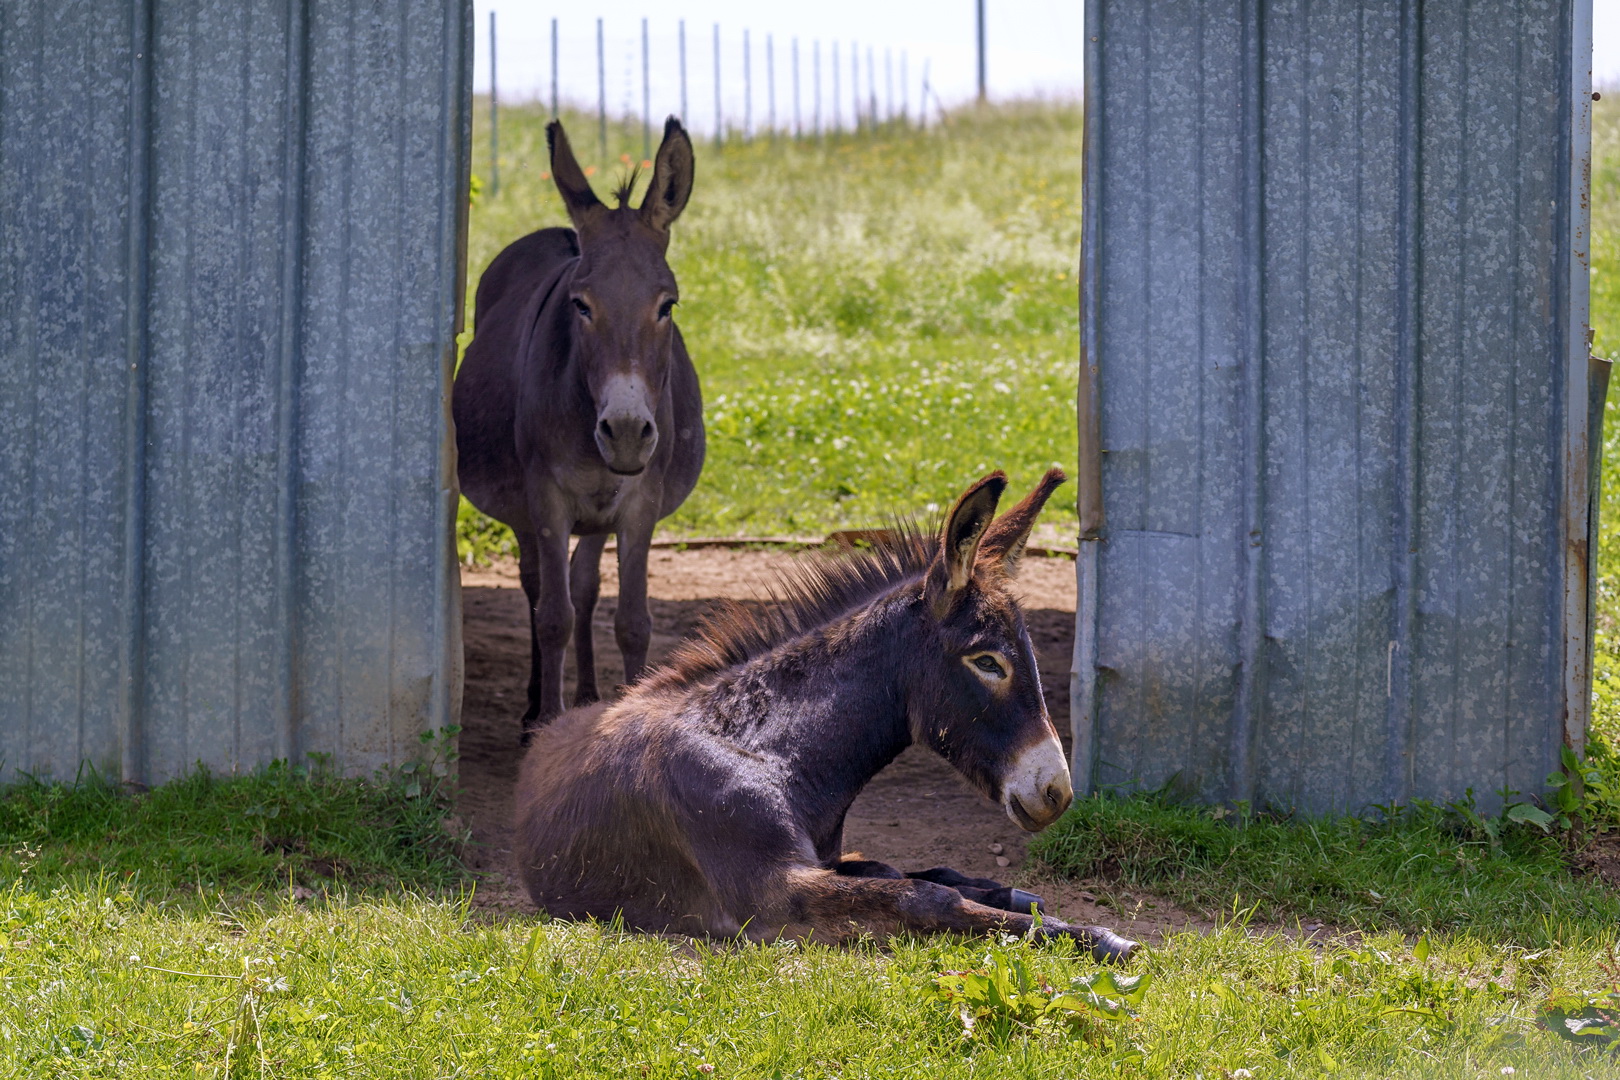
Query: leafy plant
x=1005 y=996
x=1585 y=792
x=1590 y=1019
x=480 y=540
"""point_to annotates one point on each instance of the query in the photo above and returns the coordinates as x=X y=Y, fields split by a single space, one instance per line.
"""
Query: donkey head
x=623 y=294
x=978 y=702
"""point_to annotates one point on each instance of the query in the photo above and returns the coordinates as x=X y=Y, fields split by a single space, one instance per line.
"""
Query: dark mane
x=621 y=194
x=809 y=596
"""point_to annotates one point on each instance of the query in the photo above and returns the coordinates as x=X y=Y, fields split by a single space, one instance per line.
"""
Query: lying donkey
x=711 y=799
x=578 y=411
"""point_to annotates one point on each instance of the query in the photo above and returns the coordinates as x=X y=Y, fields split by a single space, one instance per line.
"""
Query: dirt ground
x=917 y=813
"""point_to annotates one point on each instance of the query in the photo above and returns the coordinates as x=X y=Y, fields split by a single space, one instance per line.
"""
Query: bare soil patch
x=916 y=814
x=1601 y=859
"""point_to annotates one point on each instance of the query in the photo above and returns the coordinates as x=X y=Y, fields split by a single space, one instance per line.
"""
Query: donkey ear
x=576 y=191
x=672 y=178
x=964 y=527
x=1004 y=541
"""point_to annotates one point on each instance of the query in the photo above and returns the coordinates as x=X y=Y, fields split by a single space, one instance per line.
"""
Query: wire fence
x=743 y=84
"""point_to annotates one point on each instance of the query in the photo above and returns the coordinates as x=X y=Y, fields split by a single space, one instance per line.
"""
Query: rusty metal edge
x=445 y=711
x=1083 y=668
x=1578 y=406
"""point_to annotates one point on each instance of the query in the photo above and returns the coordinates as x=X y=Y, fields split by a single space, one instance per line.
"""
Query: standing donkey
x=578 y=411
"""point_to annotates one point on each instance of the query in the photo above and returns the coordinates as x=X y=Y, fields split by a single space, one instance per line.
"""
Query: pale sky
x=1606 y=43
x=938 y=34
x=1035 y=47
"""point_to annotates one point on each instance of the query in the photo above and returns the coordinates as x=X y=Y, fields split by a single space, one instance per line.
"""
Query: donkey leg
x=854 y=867
x=632 y=624
x=553 y=622
x=584 y=586
x=979 y=890
x=529 y=576
x=837 y=906
x=982 y=890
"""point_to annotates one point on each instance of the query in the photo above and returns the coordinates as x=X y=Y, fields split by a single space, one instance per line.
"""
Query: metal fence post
x=922 y=104
x=797 y=129
x=646 y=98
x=719 y=128
x=905 y=91
x=837 y=111
x=685 y=116
x=855 y=85
x=554 y=69
x=871 y=91
x=770 y=84
x=494 y=117
x=748 y=90
x=815 y=67
x=888 y=85
x=979 y=26
x=601 y=93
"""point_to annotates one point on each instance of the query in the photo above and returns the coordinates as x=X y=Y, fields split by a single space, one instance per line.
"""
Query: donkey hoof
x=1106 y=946
x=1008 y=898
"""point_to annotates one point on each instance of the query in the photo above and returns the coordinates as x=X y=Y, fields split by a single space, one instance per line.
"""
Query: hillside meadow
x=877 y=320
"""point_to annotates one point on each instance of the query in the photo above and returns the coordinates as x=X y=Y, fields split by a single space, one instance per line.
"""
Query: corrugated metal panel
x=231 y=256
x=1334 y=398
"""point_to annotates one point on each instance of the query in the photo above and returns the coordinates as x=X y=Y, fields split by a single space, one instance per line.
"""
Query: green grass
x=873 y=294
x=278 y=828
x=876 y=321
x=1606 y=343
x=103 y=982
x=1422 y=870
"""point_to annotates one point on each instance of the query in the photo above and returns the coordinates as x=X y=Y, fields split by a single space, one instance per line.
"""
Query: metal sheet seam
x=1249 y=696
x=1578 y=555
x=445 y=709
x=131 y=750
x=1083 y=673
x=292 y=322
x=1398 y=708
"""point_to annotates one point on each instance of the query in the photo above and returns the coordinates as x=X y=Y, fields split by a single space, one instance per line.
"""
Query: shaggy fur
x=711 y=798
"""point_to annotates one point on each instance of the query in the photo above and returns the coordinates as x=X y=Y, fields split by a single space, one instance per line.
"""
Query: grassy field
x=368 y=965
x=859 y=352
x=1606 y=323
x=876 y=321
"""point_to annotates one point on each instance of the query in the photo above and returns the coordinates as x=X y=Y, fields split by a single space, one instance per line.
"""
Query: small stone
x=301 y=893
x=996 y=849
x=1090 y=898
x=1002 y=860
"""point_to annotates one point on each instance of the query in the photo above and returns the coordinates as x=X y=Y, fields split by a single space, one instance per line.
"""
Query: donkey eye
x=582 y=307
x=664 y=309
x=988 y=664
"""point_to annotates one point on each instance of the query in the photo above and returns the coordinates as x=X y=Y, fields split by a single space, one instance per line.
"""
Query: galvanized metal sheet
x=231 y=259
x=1334 y=399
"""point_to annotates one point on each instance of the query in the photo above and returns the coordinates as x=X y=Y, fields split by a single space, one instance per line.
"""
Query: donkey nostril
x=646 y=431
x=607 y=429
x=1054 y=794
